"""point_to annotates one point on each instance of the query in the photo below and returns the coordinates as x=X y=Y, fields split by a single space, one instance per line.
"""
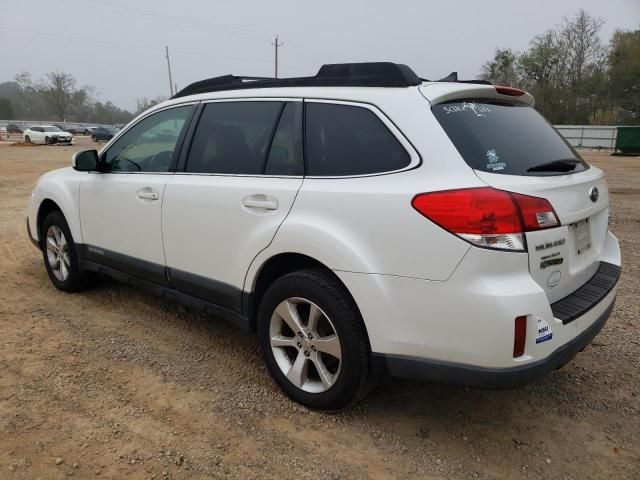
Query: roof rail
x=371 y=74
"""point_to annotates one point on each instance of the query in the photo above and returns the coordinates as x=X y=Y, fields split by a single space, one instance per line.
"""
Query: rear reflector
x=512 y=92
x=520 y=336
x=487 y=217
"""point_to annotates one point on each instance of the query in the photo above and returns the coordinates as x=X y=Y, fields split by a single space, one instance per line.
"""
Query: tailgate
x=512 y=147
x=562 y=259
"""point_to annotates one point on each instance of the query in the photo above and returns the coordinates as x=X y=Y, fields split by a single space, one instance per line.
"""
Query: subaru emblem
x=594 y=194
x=554 y=279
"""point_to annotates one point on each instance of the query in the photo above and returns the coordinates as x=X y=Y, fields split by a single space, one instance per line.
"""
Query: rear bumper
x=493 y=378
x=462 y=329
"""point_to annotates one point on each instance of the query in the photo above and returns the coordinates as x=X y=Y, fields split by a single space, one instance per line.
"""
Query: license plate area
x=582 y=236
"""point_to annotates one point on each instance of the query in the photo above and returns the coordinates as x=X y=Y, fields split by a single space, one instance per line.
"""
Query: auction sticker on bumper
x=544 y=331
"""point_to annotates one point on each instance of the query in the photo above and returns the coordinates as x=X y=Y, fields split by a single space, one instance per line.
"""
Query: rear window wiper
x=564 y=165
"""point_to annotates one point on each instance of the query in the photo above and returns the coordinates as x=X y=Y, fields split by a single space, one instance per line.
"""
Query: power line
x=179 y=21
x=86 y=39
x=133 y=45
x=172 y=20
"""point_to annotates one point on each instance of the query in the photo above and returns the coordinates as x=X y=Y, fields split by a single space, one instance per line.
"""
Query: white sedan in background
x=47 y=134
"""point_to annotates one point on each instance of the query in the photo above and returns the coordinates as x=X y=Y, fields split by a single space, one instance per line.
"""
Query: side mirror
x=86 y=161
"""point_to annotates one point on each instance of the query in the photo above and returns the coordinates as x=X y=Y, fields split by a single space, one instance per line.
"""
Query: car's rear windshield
x=507 y=139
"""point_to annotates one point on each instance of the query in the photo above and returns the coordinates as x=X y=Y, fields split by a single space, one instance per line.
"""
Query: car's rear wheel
x=60 y=256
x=314 y=341
x=27 y=139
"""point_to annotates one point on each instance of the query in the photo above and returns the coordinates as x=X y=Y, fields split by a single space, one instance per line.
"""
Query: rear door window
x=233 y=137
x=507 y=139
x=349 y=140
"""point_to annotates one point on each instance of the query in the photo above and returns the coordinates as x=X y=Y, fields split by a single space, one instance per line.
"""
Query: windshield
x=508 y=139
x=51 y=129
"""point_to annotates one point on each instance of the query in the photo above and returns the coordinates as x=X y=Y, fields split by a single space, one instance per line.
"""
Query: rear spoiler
x=440 y=92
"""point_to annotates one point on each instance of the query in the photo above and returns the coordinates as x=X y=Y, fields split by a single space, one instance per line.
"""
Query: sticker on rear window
x=494 y=163
x=479 y=110
x=544 y=331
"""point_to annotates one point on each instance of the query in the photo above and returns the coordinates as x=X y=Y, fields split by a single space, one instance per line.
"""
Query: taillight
x=487 y=217
x=519 y=336
x=537 y=213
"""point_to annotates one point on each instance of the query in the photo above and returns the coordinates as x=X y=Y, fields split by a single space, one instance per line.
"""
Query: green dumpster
x=628 y=139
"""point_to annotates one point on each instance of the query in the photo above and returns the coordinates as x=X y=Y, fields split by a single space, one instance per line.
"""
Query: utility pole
x=166 y=48
x=276 y=44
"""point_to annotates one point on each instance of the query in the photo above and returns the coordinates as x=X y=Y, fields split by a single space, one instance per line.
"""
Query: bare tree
x=144 y=103
x=581 y=48
x=580 y=39
x=624 y=71
x=82 y=103
x=543 y=71
x=57 y=93
x=503 y=69
x=55 y=97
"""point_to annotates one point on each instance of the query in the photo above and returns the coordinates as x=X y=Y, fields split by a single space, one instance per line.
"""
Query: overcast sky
x=118 y=46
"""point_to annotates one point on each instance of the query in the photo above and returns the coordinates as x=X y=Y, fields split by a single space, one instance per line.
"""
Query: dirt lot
x=116 y=383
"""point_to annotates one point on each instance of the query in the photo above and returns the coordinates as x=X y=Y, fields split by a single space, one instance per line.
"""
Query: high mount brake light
x=512 y=92
x=487 y=217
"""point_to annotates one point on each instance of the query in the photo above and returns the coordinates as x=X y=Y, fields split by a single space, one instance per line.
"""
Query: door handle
x=147 y=194
x=267 y=204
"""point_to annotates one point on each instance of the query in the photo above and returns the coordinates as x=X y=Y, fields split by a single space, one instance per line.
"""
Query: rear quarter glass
x=504 y=138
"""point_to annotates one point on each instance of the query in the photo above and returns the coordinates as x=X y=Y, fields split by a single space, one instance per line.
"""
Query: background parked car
x=67 y=128
x=15 y=128
x=47 y=134
x=104 y=133
x=89 y=130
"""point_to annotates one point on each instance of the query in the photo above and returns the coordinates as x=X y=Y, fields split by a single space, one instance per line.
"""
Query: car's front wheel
x=314 y=341
x=60 y=256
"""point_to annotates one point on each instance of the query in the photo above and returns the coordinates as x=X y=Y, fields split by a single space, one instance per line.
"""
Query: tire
x=27 y=139
x=346 y=379
x=94 y=138
x=68 y=261
x=47 y=140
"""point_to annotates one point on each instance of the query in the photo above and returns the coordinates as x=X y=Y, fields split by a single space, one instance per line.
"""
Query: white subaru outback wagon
x=362 y=221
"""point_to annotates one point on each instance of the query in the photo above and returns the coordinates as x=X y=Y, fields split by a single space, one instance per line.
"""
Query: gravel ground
x=114 y=383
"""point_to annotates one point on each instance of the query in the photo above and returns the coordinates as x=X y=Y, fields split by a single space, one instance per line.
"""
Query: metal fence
x=28 y=123
x=580 y=136
x=589 y=136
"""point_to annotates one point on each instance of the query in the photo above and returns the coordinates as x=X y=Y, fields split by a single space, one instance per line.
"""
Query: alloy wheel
x=305 y=345
x=58 y=253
